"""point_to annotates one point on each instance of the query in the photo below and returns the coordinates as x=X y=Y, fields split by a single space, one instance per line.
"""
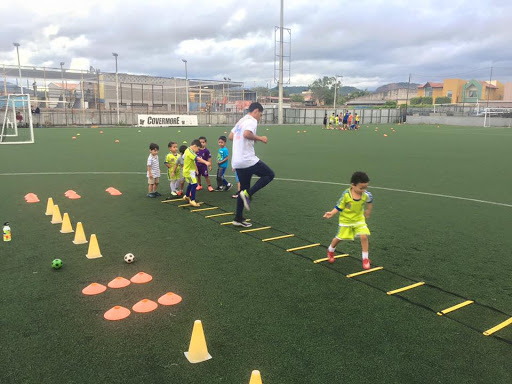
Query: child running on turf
x=189 y=171
x=222 y=161
x=202 y=170
x=153 y=170
x=173 y=170
x=351 y=207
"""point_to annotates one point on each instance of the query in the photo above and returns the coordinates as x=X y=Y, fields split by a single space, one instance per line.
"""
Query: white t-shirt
x=243 y=155
x=154 y=165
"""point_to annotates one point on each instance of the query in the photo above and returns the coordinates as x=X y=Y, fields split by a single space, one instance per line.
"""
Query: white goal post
x=17 y=125
x=503 y=114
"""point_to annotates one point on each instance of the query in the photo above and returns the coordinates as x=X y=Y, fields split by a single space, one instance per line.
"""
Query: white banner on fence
x=167 y=120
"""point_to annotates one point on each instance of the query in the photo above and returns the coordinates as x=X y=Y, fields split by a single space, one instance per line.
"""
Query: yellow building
x=453 y=88
x=463 y=91
x=433 y=90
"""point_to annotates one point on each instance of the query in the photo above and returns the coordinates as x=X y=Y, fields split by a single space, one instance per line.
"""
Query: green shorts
x=349 y=232
x=191 y=177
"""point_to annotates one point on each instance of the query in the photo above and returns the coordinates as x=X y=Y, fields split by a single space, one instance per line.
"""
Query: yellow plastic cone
x=56 y=217
x=66 y=224
x=255 y=377
x=94 y=248
x=197 y=350
x=49 y=207
x=80 y=234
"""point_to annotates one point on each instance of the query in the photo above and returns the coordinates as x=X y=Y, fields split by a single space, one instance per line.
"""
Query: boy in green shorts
x=351 y=207
x=173 y=168
x=189 y=171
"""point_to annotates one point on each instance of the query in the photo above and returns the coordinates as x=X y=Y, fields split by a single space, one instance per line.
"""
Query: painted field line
x=277 y=237
x=254 y=229
x=230 y=222
x=364 y=272
x=498 y=327
x=455 y=307
x=276 y=178
x=303 y=247
x=220 y=214
x=204 y=209
x=326 y=258
x=406 y=288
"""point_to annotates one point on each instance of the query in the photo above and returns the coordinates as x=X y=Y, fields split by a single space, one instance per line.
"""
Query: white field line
x=277 y=178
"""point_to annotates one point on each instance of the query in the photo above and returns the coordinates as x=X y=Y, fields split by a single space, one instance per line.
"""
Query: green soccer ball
x=57 y=264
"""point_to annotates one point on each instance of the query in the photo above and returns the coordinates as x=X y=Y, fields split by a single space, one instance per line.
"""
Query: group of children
x=343 y=121
x=188 y=164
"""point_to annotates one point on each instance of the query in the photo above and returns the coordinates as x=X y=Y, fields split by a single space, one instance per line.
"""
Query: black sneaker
x=151 y=195
x=157 y=194
x=244 y=224
x=219 y=189
x=228 y=187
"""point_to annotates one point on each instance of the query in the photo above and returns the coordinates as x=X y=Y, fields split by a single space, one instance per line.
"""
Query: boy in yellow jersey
x=189 y=171
x=173 y=168
x=351 y=207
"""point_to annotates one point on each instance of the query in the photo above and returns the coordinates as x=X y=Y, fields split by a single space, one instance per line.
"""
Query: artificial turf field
x=261 y=307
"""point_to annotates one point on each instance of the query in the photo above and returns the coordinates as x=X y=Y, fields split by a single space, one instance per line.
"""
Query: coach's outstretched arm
x=251 y=136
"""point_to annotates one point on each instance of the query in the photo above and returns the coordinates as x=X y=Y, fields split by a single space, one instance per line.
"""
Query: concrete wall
x=475 y=121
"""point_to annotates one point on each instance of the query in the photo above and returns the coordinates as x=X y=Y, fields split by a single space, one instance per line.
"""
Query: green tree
x=261 y=91
x=297 y=98
x=323 y=89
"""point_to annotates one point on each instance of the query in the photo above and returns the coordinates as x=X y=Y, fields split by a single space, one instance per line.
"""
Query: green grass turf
x=262 y=308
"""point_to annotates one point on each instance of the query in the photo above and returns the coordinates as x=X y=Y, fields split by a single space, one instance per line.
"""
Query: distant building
x=463 y=91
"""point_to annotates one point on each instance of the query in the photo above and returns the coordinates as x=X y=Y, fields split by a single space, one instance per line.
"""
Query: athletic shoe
x=199 y=187
x=242 y=223
x=219 y=189
x=180 y=193
x=186 y=198
x=246 y=199
x=366 y=263
x=235 y=196
x=194 y=204
x=330 y=256
x=228 y=187
x=174 y=193
x=210 y=188
x=151 y=195
x=157 y=194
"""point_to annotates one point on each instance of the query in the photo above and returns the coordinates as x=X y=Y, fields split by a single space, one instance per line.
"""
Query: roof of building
x=487 y=85
x=431 y=85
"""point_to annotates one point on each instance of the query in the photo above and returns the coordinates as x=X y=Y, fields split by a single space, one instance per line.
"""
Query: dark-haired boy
x=351 y=207
x=202 y=170
x=222 y=162
x=189 y=171
x=153 y=170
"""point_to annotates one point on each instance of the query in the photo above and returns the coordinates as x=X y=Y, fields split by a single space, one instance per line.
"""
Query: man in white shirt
x=245 y=161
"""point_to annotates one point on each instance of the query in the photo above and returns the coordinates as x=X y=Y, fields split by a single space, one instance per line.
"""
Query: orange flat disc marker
x=141 y=278
x=117 y=313
x=144 y=306
x=94 y=289
x=119 y=282
x=170 y=298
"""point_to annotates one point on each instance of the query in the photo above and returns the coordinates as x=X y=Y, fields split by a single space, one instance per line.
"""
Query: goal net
x=16 y=113
x=497 y=117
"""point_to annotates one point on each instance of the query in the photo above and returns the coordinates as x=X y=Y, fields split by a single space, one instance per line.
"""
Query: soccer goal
x=498 y=117
x=17 y=127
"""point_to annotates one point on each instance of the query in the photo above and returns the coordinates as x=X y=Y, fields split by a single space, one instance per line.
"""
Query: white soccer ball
x=129 y=258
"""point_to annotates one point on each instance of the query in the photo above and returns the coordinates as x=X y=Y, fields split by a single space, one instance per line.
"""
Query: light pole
x=117 y=88
x=17 y=45
x=227 y=101
x=62 y=81
x=335 y=89
x=186 y=84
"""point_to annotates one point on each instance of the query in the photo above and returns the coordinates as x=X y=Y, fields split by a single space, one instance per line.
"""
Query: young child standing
x=153 y=170
x=351 y=207
x=202 y=170
x=173 y=167
x=222 y=162
x=189 y=171
x=179 y=164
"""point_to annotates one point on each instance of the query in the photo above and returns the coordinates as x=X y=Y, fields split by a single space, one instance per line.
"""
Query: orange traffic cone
x=94 y=289
x=169 y=299
x=94 y=248
x=117 y=313
x=66 y=225
x=141 y=278
x=197 y=350
x=80 y=234
x=144 y=306
x=255 y=377
x=49 y=207
x=56 y=217
x=119 y=282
